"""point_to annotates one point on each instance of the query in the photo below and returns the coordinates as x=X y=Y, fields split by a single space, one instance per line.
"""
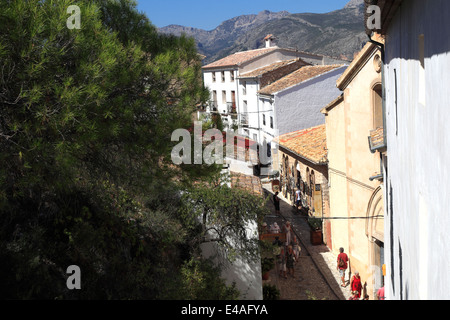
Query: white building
x=250 y=83
x=417 y=168
x=294 y=102
x=221 y=77
x=237 y=83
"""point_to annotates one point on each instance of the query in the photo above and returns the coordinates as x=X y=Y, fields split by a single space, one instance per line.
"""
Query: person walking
x=342 y=265
x=282 y=262
x=298 y=199
x=296 y=248
x=356 y=285
x=380 y=293
x=287 y=229
x=276 y=203
x=290 y=258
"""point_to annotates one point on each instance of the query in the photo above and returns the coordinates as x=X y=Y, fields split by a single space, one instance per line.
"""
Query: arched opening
x=377 y=107
x=375 y=234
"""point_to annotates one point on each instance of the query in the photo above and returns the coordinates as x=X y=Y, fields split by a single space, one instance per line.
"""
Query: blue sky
x=208 y=14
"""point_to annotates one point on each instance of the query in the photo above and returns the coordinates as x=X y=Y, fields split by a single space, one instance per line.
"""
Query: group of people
x=298 y=201
x=355 y=281
x=356 y=284
x=288 y=252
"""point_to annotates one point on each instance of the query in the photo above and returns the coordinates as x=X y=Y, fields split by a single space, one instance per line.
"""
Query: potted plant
x=316 y=230
x=267 y=264
x=270 y=292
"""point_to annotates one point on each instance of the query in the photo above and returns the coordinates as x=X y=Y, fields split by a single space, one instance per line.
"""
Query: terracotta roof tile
x=296 y=77
x=245 y=182
x=239 y=58
x=310 y=144
x=263 y=70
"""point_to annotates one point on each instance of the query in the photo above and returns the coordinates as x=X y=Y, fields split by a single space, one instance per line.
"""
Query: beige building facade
x=302 y=163
x=353 y=120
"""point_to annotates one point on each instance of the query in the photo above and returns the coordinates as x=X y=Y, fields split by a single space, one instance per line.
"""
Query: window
x=232 y=75
x=223 y=76
x=271 y=122
x=377 y=107
x=244 y=115
x=264 y=119
x=233 y=101
x=213 y=77
x=307 y=185
x=224 y=97
x=244 y=88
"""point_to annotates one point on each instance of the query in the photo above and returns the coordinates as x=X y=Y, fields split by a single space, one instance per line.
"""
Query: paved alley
x=315 y=273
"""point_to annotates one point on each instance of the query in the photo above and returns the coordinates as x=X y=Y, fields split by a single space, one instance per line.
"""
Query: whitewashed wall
x=417 y=236
x=228 y=85
x=299 y=107
x=247 y=276
x=250 y=97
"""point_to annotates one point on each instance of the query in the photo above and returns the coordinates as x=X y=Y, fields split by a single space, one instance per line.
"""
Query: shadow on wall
x=247 y=276
x=419 y=17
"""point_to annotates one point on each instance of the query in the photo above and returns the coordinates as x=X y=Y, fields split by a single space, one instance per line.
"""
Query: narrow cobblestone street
x=315 y=273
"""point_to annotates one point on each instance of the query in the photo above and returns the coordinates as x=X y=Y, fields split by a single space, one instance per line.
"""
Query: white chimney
x=270 y=41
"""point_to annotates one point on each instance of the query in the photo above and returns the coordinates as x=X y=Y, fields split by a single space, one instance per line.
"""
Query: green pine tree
x=86 y=177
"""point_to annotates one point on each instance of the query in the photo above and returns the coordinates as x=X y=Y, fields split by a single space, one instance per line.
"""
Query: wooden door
x=317 y=200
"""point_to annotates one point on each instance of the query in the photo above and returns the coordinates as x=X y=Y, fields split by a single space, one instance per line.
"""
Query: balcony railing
x=231 y=107
x=244 y=119
x=213 y=105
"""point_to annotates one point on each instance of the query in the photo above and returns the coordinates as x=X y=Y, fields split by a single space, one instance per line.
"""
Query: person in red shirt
x=342 y=265
x=380 y=293
x=356 y=285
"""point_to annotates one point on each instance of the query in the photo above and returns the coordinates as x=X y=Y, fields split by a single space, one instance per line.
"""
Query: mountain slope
x=222 y=37
x=336 y=34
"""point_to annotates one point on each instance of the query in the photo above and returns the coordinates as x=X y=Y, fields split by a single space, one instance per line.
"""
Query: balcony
x=213 y=106
x=231 y=107
x=244 y=120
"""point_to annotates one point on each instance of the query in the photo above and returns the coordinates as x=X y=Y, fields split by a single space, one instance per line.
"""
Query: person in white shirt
x=275 y=228
x=298 y=199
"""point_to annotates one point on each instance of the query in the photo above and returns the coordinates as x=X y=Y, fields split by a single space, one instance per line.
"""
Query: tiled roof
x=310 y=144
x=245 y=182
x=239 y=58
x=263 y=70
x=296 y=77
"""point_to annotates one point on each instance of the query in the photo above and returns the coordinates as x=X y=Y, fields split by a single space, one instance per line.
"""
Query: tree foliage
x=223 y=215
x=86 y=177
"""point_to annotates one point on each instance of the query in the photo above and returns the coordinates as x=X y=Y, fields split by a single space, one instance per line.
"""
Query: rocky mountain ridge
x=213 y=41
x=336 y=34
